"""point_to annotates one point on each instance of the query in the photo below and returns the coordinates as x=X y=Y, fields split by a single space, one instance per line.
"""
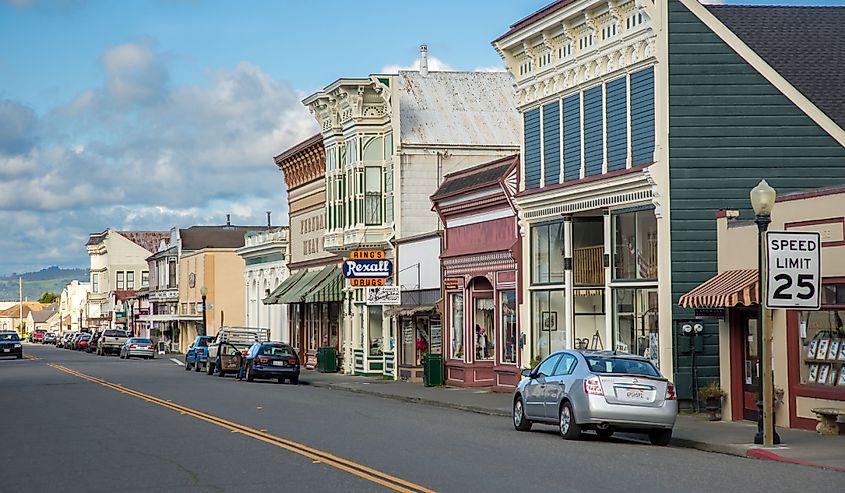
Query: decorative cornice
x=303 y=163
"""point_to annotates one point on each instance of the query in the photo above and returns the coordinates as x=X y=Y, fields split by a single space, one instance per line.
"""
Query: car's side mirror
x=526 y=373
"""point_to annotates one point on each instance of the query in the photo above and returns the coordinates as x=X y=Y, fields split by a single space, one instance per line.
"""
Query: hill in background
x=51 y=279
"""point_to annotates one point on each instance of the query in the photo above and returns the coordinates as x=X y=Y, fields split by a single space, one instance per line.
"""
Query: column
x=608 y=275
x=569 y=281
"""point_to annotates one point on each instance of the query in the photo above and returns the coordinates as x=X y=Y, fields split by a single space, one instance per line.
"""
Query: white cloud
x=434 y=64
x=139 y=153
x=490 y=69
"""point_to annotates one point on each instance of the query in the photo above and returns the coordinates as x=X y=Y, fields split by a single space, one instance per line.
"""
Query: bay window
x=373 y=197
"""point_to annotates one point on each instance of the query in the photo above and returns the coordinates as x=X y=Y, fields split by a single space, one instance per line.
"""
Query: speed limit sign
x=794 y=270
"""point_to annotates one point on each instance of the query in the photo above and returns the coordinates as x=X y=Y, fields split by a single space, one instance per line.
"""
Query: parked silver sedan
x=137 y=346
x=597 y=390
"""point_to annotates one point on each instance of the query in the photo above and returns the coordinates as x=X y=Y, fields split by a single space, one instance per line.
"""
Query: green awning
x=284 y=287
x=328 y=288
x=297 y=293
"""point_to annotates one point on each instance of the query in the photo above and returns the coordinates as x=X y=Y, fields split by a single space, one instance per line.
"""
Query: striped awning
x=724 y=290
x=328 y=286
x=284 y=287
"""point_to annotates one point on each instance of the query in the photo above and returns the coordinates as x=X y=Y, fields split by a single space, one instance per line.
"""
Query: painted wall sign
x=367 y=268
x=385 y=295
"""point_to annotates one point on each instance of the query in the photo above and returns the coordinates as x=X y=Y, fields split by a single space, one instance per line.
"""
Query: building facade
x=72 y=306
x=389 y=140
x=265 y=260
x=480 y=265
x=160 y=322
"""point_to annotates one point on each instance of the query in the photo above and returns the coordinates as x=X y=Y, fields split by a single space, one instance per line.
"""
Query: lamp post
x=763 y=201
x=203 y=293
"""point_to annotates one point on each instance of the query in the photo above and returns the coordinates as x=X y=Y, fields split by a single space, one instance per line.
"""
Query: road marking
x=29 y=357
x=360 y=470
x=176 y=361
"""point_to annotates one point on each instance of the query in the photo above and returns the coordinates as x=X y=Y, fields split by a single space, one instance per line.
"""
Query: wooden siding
x=642 y=116
x=593 y=128
x=617 y=123
x=572 y=137
x=532 y=148
x=728 y=128
x=551 y=143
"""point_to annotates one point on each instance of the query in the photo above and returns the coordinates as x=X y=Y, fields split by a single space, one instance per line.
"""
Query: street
x=79 y=422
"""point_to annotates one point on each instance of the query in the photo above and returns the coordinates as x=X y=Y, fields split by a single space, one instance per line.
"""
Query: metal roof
x=458 y=109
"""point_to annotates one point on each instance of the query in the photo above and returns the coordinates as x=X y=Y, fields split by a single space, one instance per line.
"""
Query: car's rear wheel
x=660 y=438
x=209 y=368
x=569 y=429
x=249 y=375
x=197 y=366
x=187 y=365
x=520 y=422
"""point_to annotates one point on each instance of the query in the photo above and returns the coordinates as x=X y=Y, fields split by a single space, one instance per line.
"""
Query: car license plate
x=636 y=395
x=6 y=350
x=278 y=363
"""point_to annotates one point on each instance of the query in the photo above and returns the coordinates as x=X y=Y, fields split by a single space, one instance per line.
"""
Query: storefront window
x=547 y=253
x=548 y=311
x=295 y=325
x=374 y=323
x=457 y=328
x=507 y=304
x=822 y=339
x=485 y=338
x=635 y=245
x=408 y=342
x=589 y=319
x=334 y=324
x=422 y=339
x=635 y=323
x=324 y=325
x=588 y=251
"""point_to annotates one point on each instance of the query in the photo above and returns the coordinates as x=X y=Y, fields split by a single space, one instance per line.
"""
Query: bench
x=827 y=420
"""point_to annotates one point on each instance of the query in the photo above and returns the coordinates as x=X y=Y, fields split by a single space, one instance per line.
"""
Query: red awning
x=724 y=290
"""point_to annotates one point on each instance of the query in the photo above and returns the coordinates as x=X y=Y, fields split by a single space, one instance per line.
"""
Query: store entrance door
x=751 y=366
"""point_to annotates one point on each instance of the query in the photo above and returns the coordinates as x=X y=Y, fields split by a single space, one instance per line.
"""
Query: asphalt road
x=71 y=422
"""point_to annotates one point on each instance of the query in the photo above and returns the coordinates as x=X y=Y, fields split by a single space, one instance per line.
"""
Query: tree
x=48 y=298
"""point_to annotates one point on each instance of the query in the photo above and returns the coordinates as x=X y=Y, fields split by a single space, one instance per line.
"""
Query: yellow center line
x=360 y=470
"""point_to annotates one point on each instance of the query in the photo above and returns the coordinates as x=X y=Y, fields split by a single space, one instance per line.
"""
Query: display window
x=547 y=253
x=589 y=319
x=456 y=319
x=635 y=245
x=635 y=328
x=508 y=324
x=548 y=309
x=821 y=337
x=485 y=338
x=374 y=329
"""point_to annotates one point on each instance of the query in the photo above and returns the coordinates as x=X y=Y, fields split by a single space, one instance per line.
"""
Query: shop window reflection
x=485 y=340
x=507 y=302
x=635 y=327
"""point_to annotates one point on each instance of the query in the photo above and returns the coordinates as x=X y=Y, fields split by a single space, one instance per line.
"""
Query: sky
x=144 y=115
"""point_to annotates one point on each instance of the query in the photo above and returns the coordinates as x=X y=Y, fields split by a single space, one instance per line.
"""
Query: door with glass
x=751 y=367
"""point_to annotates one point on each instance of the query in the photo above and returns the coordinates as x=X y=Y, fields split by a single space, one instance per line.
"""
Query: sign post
x=793 y=262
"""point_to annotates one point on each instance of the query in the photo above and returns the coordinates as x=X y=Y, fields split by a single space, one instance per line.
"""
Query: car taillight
x=293 y=361
x=132 y=346
x=670 y=392
x=592 y=386
x=263 y=361
x=150 y=347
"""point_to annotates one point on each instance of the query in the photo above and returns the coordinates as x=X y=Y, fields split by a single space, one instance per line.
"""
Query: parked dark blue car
x=197 y=354
x=271 y=360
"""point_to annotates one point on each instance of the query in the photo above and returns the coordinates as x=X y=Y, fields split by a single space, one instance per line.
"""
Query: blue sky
x=159 y=113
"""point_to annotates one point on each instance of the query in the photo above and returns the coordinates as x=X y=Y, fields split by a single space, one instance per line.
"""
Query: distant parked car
x=50 y=338
x=597 y=390
x=272 y=360
x=64 y=341
x=82 y=342
x=10 y=345
x=111 y=341
x=38 y=336
x=137 y=346
x=92 y=344
x=197 y=354
x=73 y=340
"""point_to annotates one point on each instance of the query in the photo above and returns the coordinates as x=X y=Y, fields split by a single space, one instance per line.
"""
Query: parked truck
x=110 y=341
x=229 y=348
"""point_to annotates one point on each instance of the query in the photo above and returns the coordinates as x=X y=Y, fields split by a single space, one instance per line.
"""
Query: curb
x=716 y=448
x=763 y=454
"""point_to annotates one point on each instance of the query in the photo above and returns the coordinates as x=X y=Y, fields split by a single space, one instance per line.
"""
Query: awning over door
x=296 y=294
x=328 y=287
x=284 y=287
x=724 y=290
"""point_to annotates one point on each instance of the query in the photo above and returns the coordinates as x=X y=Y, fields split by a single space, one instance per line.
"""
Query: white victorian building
x=265 y=259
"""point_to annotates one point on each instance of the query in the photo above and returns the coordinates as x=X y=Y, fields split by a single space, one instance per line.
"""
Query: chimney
x=269 y=226
x=423 y=60
x=228 y=220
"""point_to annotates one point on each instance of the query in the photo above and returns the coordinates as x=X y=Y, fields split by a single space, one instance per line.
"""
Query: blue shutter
x=551 y=143
x=617 y=124
x=532 y=148
x=593 y=148
x=572 y=138
x=642 y=116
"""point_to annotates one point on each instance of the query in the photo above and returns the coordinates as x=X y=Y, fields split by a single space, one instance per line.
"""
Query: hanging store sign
x=366 y=255
x=384 y=295
x=367 y=268
x=794 y=270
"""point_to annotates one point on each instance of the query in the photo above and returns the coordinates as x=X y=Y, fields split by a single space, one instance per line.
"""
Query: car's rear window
x=9 y=337
x=141 y=341
x=277 y=351
x=610 y=364
x=202 y=342
x=114 y=333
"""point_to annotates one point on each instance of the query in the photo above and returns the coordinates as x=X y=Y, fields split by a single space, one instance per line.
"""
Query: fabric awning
x=328 y=287
x=297 y=293
x=284 y=287
x=724 y=290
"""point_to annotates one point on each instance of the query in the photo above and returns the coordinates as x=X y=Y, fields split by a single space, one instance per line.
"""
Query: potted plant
x=712 y=396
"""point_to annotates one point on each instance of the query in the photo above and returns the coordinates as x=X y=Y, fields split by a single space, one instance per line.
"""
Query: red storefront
x=480 y=267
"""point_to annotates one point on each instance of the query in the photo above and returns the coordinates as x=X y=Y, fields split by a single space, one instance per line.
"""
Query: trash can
x=432 y=370
x=327 y=359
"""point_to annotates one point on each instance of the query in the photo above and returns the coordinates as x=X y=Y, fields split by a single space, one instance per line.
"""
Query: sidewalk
x=733 y=438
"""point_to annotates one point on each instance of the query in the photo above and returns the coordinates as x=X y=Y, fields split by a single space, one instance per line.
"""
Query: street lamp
x=203 y=293
x=763 y=201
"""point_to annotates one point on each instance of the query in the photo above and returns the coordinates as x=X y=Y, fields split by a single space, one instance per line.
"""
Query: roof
x=724 y=290
x=478 y=176
x=458 y=108
x=148 y=240
x=15 y=311
x=804 y=44
x=302 y=146
x=41 y=316
x=525 y=21
x=199 y=237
